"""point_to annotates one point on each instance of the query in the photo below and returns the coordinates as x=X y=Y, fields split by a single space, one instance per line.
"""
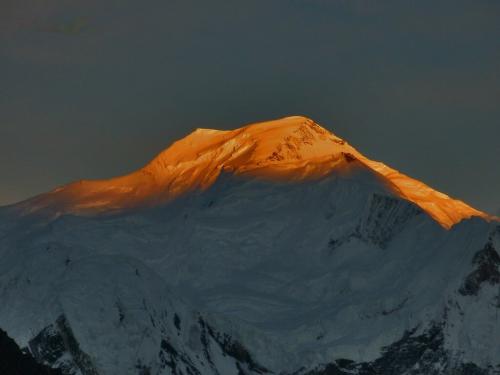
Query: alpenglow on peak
x=291 y=149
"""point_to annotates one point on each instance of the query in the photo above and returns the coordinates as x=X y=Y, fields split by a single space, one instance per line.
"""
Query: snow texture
x=252 y=276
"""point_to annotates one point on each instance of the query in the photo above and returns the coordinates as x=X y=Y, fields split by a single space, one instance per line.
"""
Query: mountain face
x=273 y=248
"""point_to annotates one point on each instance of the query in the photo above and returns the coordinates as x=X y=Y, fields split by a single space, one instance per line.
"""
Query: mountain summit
x=276 y=248
x=290 y=149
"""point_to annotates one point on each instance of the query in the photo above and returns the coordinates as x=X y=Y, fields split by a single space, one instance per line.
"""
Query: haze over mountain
x=275 y=248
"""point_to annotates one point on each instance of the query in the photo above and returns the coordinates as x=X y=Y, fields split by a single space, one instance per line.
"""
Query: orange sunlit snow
x=288 y=149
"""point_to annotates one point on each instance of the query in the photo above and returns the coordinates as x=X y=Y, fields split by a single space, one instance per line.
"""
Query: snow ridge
x=291 y=149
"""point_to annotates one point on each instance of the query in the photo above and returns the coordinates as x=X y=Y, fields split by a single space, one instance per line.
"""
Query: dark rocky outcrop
x=413 y=354
x=178 y=363
x=56 y=345
x=14 y=361
x=385 y=217
x=487 y=270
x=232 y=348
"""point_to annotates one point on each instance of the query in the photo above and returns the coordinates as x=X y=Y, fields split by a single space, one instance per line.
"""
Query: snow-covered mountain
x=273 y=248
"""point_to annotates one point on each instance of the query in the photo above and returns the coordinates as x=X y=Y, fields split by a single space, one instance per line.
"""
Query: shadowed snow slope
x=290 y=149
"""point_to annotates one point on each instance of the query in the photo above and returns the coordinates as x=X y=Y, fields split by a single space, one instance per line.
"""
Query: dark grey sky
x=93 y=89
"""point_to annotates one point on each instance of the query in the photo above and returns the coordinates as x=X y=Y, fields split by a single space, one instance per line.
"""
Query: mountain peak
x=289 y=149
x=271 y=149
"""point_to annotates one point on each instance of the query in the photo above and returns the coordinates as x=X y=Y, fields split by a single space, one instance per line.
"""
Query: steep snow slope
x=313 y=263
x=289 y=149
x=334 y=268
x=107 y=314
